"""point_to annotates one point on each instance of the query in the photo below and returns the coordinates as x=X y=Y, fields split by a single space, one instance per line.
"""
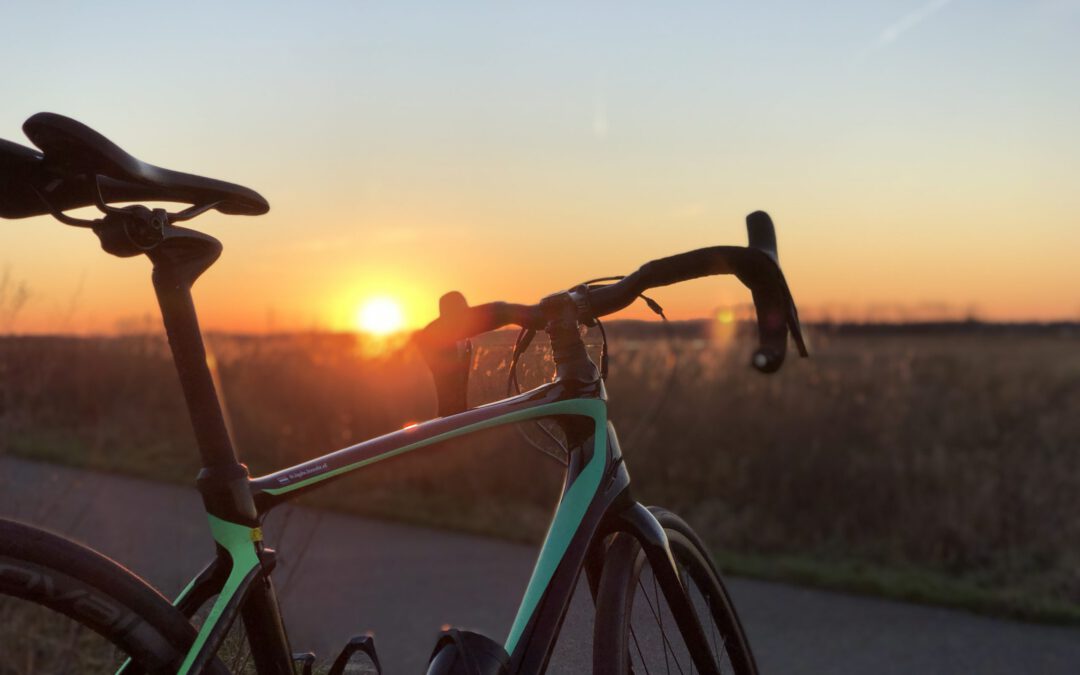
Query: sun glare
x=380 y=316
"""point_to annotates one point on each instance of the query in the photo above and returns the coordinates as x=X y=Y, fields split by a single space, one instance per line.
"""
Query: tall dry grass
x=949 y=452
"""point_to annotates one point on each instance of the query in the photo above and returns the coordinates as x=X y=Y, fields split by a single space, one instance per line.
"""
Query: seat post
x=178 y=262
x=189 y=355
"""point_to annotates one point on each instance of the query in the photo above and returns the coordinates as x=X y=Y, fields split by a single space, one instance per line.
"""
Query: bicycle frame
x=595 y=480
x=595 y=501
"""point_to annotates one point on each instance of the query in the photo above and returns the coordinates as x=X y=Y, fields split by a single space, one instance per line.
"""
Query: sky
x=920 y=159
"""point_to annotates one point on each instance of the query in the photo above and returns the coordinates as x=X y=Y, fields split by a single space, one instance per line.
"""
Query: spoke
x=638 y=647
x=718 y=639
x=660 y=621
x=685 y=581
x=656 y=617
x=721 y=648
x=712 y=625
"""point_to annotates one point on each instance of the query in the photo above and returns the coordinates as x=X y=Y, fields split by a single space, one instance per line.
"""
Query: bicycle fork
x=638 y=522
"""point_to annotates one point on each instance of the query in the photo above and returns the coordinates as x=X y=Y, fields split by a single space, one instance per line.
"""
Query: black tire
x=44 y=576
x=619 y=645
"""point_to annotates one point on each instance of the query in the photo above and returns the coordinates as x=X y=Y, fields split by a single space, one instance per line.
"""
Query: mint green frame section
x=568 y=517
x=239 y=541
x=184 y=593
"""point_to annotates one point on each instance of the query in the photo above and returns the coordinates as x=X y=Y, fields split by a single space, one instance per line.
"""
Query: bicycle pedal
x=363 y=644
x=306 y=660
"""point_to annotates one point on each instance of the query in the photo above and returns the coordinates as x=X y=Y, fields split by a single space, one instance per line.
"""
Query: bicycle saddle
x=73 y=156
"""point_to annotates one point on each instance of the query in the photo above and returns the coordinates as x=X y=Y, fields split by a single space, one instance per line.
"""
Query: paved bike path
x=404 y=582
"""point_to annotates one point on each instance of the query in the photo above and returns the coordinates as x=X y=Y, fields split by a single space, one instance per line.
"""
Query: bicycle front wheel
x=635 y=631
x=67 y=609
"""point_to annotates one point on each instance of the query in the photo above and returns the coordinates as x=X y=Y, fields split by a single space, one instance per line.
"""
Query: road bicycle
x=647 y=572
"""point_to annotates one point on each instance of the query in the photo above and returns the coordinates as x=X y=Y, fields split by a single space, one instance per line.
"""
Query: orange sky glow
x=919 y=163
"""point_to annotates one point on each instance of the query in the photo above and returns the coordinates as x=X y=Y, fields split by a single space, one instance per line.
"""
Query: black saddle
x=75 y=161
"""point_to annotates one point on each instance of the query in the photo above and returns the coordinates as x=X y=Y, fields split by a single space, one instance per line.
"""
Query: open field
x=939 y=465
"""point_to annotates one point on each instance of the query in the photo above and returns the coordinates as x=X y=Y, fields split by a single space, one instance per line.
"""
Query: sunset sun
x=380 y=316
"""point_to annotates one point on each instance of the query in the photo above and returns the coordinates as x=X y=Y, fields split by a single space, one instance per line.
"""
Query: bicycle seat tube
x=178 y=262
x=223 y=481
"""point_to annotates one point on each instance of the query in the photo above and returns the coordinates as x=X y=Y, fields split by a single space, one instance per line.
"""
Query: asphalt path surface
x=342 y=575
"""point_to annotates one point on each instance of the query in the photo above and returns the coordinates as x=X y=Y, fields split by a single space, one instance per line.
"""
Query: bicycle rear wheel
x=67 y=609
x=635 y=631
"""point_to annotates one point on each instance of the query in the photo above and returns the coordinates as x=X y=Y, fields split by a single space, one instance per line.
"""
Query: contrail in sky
x=909 y=21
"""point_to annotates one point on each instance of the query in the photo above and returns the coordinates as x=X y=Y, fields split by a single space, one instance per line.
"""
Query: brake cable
x=645 y=420
x=525 y=338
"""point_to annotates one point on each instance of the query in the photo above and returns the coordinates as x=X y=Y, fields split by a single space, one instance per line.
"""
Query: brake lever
x=450 y=363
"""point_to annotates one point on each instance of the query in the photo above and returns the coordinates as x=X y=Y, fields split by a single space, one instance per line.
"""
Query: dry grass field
x=939 y=464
